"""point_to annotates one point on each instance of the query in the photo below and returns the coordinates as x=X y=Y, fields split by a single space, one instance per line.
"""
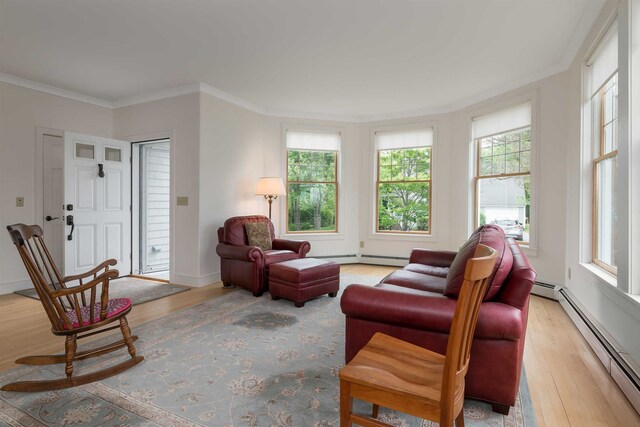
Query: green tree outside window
x=404 y=190
x=312 y=191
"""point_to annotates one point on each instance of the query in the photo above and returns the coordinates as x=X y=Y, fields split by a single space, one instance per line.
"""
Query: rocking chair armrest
x=91 y=272
x=102 y=278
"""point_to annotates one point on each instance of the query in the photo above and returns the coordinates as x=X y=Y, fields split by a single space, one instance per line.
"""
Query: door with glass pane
x=154 y=205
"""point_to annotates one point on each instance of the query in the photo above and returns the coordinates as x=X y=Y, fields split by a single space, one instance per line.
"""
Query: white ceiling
x=341 y=57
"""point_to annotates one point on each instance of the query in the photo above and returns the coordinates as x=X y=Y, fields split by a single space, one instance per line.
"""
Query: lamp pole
x=270 y=198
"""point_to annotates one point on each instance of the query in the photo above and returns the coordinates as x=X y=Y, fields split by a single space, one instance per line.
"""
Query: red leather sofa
x=416 y=304
x=248 y=266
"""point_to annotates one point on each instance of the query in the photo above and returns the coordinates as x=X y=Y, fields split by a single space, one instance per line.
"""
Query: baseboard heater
x=625 y=375
x=336 y=256
x=546 y=290
x=385 y=257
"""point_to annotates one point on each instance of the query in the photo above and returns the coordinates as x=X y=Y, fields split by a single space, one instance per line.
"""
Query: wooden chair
x=398 y=375
x=72 y=311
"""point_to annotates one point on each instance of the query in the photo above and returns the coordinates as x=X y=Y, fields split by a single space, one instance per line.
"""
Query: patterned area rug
x=138 y=290
x=233 y=361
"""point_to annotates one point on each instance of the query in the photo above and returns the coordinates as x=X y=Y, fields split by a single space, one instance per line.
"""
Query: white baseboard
x=10 y=287
x=196 y=282
x=625 y=372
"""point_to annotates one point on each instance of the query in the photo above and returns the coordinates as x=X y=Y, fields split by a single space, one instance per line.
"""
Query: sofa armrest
x=245 y=253
x=427 y=311
x=435 y=258
x=301 y=247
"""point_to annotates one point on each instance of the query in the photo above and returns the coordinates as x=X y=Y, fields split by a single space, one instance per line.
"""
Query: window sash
x=333 y=182
x=479 y=177
x=380 y=182
x=603 y=154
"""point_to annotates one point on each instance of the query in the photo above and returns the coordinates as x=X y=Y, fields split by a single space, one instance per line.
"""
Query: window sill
x=608 y=284
x=314 y=236
x=601 y=274
x=398 y=237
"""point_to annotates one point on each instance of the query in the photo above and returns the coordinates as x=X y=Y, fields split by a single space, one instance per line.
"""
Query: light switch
x=20 y=202
x=183 y=201
x=361 y=244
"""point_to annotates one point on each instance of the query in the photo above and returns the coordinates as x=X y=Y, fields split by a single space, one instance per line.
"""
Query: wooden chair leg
x=460 y=419
x=346 y=404
x=126 y=333
x=69 y=353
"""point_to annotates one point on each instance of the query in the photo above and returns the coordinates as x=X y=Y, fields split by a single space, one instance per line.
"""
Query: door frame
x=152 y=136
x=136 y=217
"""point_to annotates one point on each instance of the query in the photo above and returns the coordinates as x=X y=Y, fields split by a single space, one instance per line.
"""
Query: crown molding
x=156 y=96
x=236 y=100
x=314 y=116
x=52 y=90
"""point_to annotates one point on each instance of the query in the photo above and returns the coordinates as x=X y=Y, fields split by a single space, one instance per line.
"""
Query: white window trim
x=586 y=166
x=339 y=234
x=403 y=237
x=532 y=247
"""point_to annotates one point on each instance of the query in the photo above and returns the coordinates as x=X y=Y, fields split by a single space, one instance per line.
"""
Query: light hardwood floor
x=568 y=385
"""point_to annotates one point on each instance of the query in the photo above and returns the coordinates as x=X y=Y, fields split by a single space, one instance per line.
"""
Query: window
x=312 y=181
x=603 y=90
x=403 y=185
x=503 y=170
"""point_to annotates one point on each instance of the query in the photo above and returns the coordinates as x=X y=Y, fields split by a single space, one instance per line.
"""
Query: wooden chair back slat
x=46 y=278
x=476 y=283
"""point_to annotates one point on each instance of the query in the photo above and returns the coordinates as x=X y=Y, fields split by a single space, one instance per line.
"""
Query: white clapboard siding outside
x=155 y=201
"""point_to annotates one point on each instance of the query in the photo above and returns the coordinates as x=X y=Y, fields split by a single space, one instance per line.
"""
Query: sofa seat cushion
x=427 y=269
x=492 y=236
x=413 y=280
x=273 y=256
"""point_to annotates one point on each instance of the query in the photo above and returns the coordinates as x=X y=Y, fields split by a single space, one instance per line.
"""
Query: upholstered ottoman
x=300 y=280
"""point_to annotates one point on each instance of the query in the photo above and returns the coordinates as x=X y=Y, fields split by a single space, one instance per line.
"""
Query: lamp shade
x=270 y=186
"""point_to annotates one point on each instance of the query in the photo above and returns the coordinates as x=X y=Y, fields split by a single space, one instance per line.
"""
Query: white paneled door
x=97 y=194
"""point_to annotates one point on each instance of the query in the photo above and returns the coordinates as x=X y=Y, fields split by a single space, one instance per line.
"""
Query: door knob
x=50 y=218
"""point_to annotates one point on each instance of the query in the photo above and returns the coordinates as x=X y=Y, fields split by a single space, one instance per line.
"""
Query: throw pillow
x=489 y=235
x=259 y=235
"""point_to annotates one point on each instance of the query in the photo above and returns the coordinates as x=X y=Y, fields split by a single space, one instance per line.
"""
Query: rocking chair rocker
x=72 y=311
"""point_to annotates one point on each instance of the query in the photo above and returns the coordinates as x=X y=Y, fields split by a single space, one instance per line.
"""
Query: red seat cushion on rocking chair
x=114 y=307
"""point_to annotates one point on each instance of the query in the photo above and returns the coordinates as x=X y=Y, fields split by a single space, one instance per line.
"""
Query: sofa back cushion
x=234 y=231
x=492 y=236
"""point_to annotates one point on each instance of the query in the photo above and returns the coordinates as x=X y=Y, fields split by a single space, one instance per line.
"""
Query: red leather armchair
x=411 y=304
x=248 y=266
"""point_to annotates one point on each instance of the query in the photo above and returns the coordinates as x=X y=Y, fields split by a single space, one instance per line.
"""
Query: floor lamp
x=270 y=187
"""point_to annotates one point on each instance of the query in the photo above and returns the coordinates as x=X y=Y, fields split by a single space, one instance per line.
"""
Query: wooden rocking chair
x=72 y=311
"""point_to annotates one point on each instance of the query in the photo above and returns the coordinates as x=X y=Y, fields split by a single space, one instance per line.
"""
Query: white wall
x=21 y=111
x=345 y=242
x=179 y=119
x=230 y=162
